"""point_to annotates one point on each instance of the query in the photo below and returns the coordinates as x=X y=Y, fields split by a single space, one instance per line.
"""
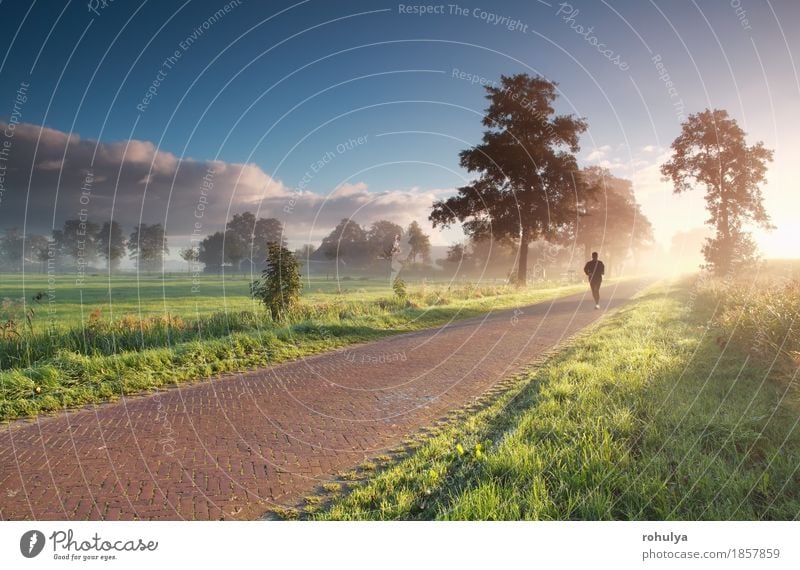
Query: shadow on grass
x=673 y=426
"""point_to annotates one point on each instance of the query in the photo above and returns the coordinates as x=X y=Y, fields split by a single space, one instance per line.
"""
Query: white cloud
x=599 y=153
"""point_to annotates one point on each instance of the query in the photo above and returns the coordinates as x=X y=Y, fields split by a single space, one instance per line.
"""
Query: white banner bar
x=353 y=546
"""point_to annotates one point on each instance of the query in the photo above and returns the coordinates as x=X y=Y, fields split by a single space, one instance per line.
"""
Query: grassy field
x=151 y=295
x=647 y=416
x=126 y=336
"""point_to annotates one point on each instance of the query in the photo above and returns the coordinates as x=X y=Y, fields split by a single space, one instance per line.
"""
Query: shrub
x=279 y=286
x=399 y=288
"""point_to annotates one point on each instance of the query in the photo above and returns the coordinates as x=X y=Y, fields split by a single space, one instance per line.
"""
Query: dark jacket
x=594 y=269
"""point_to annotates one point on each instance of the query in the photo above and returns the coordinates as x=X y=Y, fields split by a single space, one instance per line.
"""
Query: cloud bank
x=51 y=175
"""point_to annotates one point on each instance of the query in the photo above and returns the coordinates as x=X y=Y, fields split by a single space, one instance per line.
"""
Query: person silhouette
x=594 y=270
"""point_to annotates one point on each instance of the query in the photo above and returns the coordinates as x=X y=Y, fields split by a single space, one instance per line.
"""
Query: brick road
x=232 y=447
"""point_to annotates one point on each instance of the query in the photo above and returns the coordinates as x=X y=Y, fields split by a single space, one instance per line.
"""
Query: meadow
x=62 y=346
x=649 y=415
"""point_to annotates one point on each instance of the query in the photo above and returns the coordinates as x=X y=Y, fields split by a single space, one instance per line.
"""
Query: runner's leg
x=596 y=291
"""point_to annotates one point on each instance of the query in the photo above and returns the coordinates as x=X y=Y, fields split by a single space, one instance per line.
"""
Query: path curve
x=232 y=447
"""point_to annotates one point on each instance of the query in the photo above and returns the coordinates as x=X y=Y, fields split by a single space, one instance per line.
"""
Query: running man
x=594 y=270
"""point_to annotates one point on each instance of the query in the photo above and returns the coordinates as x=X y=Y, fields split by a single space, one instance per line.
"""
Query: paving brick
x=230 y=447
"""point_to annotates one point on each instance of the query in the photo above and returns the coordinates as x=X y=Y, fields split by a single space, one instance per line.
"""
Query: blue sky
x=281 y=84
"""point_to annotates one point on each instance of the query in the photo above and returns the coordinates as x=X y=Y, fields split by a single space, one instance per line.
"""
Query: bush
x=399 y=288
x=280 y=285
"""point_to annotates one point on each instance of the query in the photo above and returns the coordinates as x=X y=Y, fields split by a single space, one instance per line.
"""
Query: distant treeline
x=82 y=244
x=611 y=222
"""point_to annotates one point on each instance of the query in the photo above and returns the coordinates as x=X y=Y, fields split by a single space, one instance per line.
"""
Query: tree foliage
x=526 y=164
x=610 y=219
x=247 y=238
x=347 y=243
x=381 y=237
x=147 y=246
x=211 y=252
x=419 y=243
x=111 y=244
x=711 y=152
x=79 y=240
x=190 y=255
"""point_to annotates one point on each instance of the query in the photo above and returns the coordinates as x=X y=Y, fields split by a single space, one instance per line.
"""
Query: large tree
x=610 y=219
x=526 y=164
x=711 y=152
x=266 y=232
x=346 y=243
x=79 y=240
x=247 y=237
x=381 y=237
x=419 y=243
x=236 y=249
x=111 y=244
x=211 y=252
x=147 y=246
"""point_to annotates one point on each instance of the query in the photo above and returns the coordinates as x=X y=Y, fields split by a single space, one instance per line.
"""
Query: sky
x=182 y=113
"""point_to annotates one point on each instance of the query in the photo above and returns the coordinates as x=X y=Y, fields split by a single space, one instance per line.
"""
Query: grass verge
x=68 y=377
x=644 y=417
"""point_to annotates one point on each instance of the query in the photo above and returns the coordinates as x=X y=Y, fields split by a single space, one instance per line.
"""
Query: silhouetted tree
x=111 y=244
x=147 y=246
x=79 y=240
x=247 y=237
x=267 y=231
x=236 y=249
x=711 y=152
x=526 y=161
x=189 y=255
x=380 y=238
x=609 y=219
x=347 y=243
x=419 y=242
x=211 y=252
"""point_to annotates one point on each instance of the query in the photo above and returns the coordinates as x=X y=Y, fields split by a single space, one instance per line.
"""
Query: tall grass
x=45 y=371
x=24 y=344
x=760 y=317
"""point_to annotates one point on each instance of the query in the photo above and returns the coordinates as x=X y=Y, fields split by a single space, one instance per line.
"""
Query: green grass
x=92 y=355
x=151 y=295
x=642 y=417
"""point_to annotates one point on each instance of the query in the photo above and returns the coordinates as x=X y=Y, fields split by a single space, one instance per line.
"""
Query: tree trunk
x=522 y=273
x=724 y=228
x=725 y=234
